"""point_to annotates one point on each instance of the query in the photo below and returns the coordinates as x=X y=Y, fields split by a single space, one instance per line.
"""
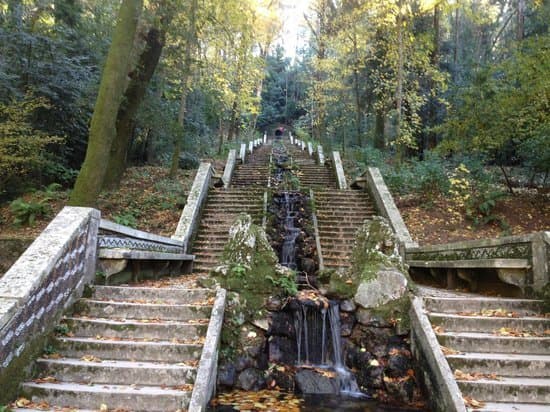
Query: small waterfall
x=288 y=250
x=319 y=343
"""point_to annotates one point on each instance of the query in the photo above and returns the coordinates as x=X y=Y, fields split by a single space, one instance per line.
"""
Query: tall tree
x=111 y=91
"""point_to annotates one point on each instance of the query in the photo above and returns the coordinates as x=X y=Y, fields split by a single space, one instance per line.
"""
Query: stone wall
x=44 y=281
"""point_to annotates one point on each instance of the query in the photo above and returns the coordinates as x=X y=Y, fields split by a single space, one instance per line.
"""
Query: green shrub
x=26 y=213
x=126 y=219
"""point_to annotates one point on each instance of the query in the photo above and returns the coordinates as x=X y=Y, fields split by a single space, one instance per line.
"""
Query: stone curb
x=437 y=376
x=229 y=168
x=205 y=382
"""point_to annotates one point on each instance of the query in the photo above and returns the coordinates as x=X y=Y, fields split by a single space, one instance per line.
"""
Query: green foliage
x=504 y=113
x=286 y=283
x=5 y=408
x=23 y=148
x=26 y=213
x=128 y=218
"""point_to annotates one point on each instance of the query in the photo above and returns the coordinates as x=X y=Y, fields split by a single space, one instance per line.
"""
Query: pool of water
x=284 y=402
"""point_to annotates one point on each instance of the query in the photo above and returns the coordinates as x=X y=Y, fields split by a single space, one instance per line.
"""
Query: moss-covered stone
x=251 y=271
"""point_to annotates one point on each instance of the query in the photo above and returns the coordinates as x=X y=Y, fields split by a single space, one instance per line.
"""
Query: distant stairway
x=255 y=171
x=127 y=348
x=498 y=349
x=339 y=214
x=311 y=174
x=221 y=209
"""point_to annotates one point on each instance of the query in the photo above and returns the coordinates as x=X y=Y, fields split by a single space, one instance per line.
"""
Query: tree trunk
x=430 y=138
x=189 y=51
x=521 y=20
x=379 y=138
x=457 y=39
x=111 y=90
x=133 y=97
x=399 y=88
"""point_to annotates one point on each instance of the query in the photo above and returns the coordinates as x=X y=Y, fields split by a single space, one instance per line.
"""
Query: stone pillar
x=339 y=171
x=320 y=155
x=242 y=154
x=265 y=138
x=229 y=166
x=250 y=147
x=541 y=253
x=291 y=138
x=310 y=148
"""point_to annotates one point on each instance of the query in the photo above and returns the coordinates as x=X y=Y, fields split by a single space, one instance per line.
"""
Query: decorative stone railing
x=518 y=260
x=120 y=246
x=48 y=277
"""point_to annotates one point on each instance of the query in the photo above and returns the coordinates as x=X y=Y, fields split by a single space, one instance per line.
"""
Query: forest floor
x=436 y=221
x=146 y=199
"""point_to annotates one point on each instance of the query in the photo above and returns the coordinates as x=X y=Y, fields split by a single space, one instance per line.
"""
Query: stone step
x=162 y=351
x=531 y=390
x=459 y=323
x=125 y=397
x=486 y=342
x=503 y=364
x=117 y=310
x=117 y=372
x=477 y=304
x=90 y=327
x=166 y=295
x=510 y=407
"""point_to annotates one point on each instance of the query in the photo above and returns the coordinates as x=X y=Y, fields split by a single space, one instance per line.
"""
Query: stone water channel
x=315 y=319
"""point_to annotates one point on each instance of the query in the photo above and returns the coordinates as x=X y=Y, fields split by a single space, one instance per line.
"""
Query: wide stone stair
x=339 y=214
x=126 y=349
x=221 y=209
x=500 y=348
x=311 y=174
x=255 y=171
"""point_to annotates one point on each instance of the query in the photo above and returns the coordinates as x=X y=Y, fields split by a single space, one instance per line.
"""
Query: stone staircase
x=339 y=214
x=127 y=348
x=311 y=174
x=221 y=209
x=505 y=337
x=255 y=171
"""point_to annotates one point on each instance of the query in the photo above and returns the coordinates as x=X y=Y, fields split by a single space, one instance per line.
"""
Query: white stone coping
x=310 y=148
x=123 y=253
x=339 y=170
x=242 y=153
x=472 y=264
x=387 y=208
x=468 y=244
x=28 y=272
x=229 y=168
x=138 y=234
x=424 y=337
x=320 y=155
x=205 y=381
x=250 y=147
x=191 y=212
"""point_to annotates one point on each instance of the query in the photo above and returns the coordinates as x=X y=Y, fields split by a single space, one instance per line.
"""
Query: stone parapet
x=387 y=208
x=40 y=285
x=189 y=219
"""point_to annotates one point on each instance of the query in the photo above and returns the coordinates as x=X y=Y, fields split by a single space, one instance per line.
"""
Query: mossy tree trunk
x=111 y=91
x=133 y=97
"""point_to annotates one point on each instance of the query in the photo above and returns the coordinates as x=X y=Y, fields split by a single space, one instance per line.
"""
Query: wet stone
x=251 y=379
x=348 y=306
x=309 y=381
x=227 y=375
x=282 y=324
x=282 y=350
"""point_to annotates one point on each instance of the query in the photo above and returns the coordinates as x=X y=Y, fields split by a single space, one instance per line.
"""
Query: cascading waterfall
x=288 y=250
x=317 y=327
x=319 y=343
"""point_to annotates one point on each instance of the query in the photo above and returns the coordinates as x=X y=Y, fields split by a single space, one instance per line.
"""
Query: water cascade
x=319 y=343
x=316 y=319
